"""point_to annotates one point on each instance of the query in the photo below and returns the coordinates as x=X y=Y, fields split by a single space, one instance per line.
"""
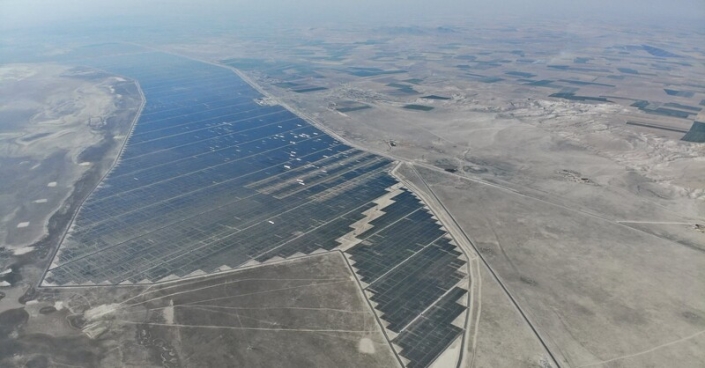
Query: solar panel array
x=210 y=179
x=427 y=337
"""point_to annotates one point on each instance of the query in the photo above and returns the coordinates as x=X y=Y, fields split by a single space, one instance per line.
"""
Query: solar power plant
x=212 y=180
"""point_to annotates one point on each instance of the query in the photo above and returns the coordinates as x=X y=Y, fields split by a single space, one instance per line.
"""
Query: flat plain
x=575 y=172
x=490 y=195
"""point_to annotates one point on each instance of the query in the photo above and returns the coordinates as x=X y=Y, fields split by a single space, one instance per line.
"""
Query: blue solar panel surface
x=210 y=179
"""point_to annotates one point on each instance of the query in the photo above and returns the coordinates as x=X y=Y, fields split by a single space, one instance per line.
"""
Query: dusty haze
x=31 y=14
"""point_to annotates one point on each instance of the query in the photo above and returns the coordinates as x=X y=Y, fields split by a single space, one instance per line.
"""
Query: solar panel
x=211 y=178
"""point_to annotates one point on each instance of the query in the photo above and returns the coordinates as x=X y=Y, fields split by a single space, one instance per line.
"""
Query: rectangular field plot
x=305 y=309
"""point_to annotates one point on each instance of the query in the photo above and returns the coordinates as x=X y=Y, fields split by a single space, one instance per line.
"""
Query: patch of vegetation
x=466 y=57
x=521 y=74
x=673 y=92
x=286 y=84
x=572 y=96
x=491 y=79
x=628 y=70
x=644 y=106
x=418 y=107
x=582 y=83
x=403 y=88
x=370 y=72
x=371 y=42
x=310 y=89
x=541 y=83
x=353 y=108
x=682 y=107
x=397 y=85
x=655 y=51
x=641 y=104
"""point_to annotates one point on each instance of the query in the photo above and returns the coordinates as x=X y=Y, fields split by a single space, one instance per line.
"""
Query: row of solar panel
x=409 y=264
x=152 y=186
x=137 y=210
x=431 y=334
x=155 y=224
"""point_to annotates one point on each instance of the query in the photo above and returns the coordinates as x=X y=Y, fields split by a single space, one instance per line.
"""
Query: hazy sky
x=32 y=13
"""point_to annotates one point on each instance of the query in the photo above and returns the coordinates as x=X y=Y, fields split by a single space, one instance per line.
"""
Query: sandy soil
x=276 y=315
x=597 y=289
